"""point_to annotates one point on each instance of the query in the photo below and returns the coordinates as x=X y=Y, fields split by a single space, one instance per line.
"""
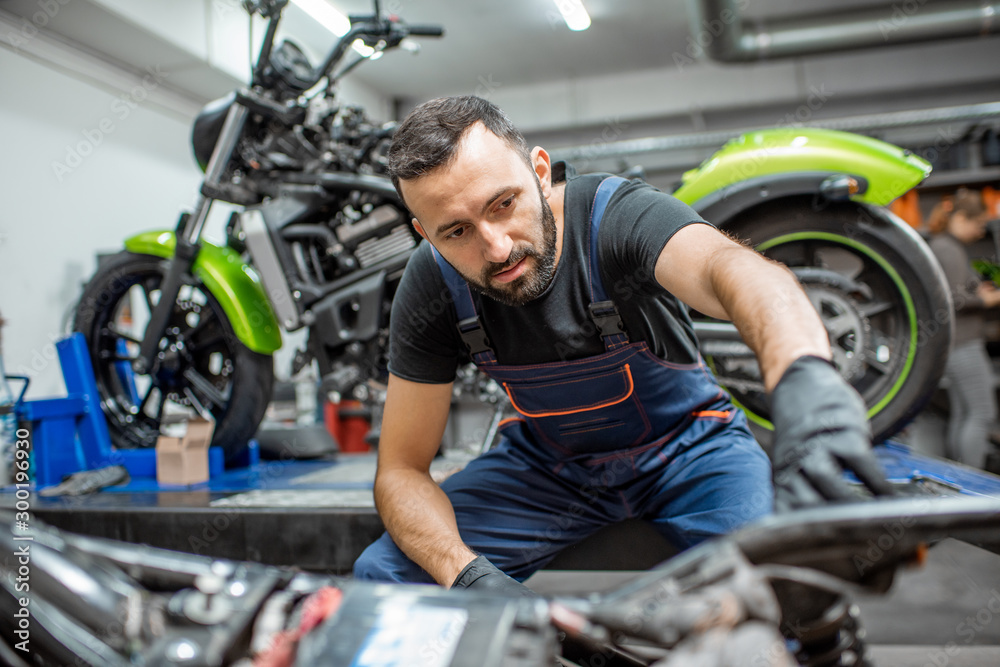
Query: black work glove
x=820 y=430
x=484 y=576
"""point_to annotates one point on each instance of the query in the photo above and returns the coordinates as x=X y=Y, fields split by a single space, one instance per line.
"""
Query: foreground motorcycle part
x=692 y=611
x=279 y=649
x=100 y=602
x=200 y=367
x=400 y=625
x=752 y=643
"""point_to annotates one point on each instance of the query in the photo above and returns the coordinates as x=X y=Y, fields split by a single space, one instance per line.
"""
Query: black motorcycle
x=176 y=322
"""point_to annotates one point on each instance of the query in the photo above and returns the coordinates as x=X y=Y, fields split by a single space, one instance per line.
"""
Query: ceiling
x=511 y=43
x=522 y=42
x=636 y=68
x=519 y=42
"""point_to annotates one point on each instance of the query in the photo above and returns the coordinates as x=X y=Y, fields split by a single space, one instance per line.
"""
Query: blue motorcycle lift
x=70 y=434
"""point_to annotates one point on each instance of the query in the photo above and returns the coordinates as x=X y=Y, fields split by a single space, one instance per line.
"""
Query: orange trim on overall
x=631 y=388
x=721 y=414
x=509 y=420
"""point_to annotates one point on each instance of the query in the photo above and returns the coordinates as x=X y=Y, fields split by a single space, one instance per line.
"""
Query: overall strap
x=470 y=328
x=603 y=311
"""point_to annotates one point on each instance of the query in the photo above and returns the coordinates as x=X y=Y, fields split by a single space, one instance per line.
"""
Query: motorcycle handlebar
x=362 y=27
x=425 y=30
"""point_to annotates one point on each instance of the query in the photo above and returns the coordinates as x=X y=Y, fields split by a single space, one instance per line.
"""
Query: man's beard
x=534 y=280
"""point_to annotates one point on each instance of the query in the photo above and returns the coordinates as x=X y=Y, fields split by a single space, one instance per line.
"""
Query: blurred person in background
x=957 y=223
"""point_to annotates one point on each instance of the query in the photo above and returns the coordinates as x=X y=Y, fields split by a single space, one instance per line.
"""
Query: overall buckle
x=473 y=336
x=605 y=316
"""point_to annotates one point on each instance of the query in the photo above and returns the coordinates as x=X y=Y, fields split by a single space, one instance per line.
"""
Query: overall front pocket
x=593 y=412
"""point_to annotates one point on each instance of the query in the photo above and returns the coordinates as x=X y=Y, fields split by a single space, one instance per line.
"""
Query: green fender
x=235 y=284
x=889 y=170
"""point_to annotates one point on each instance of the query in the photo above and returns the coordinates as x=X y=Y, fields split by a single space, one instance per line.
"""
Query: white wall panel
x=214 y=31
x=82 y=169
x=182 y=22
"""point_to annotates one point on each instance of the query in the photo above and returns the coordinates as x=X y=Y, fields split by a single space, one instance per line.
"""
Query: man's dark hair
x=429 y=135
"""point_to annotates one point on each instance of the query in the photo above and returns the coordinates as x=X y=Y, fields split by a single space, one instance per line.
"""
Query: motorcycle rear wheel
x=880 y=294
x=201 y=367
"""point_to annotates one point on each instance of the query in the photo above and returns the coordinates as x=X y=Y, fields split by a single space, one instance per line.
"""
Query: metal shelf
x=956 y=177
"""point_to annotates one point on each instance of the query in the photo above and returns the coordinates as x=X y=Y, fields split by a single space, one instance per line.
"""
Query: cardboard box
x=183 y=459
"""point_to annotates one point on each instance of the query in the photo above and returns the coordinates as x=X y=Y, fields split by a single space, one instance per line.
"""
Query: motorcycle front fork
x=188 y=237
x=185 y=253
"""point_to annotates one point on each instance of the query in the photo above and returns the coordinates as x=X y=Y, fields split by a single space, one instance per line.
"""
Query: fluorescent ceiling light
x=574 y=13
x=327 y=16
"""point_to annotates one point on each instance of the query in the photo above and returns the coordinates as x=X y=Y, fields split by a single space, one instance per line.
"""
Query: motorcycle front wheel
x=880 y=293
x=201 y=367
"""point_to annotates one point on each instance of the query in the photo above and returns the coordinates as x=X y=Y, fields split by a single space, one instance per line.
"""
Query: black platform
x=316 y=515
x=320 y=515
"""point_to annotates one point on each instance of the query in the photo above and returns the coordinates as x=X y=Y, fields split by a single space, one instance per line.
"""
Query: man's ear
x=542 y=164
x=417 y=226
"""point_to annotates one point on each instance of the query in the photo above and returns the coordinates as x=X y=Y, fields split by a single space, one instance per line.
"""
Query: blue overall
x=599 y=440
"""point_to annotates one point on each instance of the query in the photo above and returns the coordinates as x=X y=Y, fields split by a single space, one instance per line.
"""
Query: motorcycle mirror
x=266 y=8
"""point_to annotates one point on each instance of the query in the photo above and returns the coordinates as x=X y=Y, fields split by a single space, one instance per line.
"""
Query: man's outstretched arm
x=821 y=425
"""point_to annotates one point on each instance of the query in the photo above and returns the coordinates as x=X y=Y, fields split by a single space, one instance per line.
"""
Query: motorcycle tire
x=201 y=367
x=881 y=295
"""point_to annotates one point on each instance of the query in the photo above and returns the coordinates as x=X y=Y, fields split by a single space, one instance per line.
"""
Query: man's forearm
x=820 y=422
x=779 y=326
x=420 y=519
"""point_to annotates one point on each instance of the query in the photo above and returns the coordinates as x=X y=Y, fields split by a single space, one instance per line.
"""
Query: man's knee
x=367 y=566
x=383 y=561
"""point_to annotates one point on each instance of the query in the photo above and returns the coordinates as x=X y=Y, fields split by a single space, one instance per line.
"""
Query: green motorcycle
x=177 y=323
x=815 y=200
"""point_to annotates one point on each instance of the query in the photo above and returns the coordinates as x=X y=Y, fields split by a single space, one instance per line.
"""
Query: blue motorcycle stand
x=70 y=434
x=237 y=514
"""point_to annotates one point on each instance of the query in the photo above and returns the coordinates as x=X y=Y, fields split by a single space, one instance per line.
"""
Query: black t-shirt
x=425 y=345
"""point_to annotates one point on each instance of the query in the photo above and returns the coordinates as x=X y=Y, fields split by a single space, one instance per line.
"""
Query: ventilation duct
x=719 y=27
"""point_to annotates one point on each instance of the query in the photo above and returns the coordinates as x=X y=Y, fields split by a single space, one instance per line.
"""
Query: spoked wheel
x=201 y=368
x=879 y=292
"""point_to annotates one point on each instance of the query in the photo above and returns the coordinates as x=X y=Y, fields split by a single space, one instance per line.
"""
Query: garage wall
x=83 y=166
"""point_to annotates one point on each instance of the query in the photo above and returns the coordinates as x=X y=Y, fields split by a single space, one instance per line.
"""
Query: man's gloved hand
x=820 y=429
x=484 y=576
